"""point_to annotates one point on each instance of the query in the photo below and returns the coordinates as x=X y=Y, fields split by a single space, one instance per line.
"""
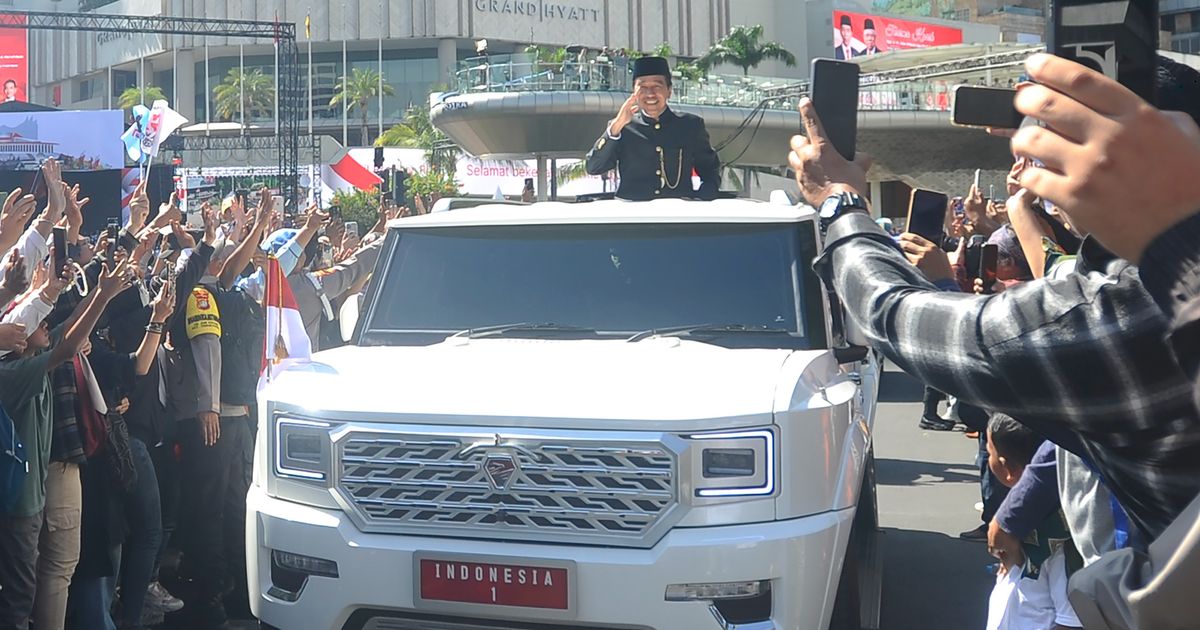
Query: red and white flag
x=286 y=340
x=345 y=174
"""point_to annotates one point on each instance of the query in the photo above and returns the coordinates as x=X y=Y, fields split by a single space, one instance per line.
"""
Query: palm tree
x=252 y=92
x=741 y=47
x=134 y=95
x=398 y=135
x=357 y=91
x=418 y=132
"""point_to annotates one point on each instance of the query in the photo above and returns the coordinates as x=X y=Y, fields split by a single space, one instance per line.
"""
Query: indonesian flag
x=286 y=340
x=346 y=174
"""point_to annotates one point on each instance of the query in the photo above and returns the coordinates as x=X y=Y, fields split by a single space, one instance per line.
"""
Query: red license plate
x=496 y=584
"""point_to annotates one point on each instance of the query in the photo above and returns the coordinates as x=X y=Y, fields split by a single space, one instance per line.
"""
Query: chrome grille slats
x=584 y=490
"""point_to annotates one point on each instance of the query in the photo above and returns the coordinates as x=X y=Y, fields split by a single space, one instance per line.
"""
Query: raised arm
x=56 y=196
x=18 y=208
x=237 y=261
x=160 y=310
x=112 y=282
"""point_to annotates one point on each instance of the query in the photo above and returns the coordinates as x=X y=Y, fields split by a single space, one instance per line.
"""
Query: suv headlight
x=734 y=463
x=302 y=449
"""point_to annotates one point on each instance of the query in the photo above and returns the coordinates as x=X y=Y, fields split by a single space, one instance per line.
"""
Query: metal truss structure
x=289 y=95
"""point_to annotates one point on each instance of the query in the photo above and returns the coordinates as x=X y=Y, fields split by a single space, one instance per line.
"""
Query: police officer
x=653 y=148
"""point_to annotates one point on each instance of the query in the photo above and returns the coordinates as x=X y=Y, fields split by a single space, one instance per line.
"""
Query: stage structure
x=287 y=141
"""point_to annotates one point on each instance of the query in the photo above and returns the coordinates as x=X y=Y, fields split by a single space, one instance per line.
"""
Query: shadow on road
x=933 y=582
x=896 y=386
x=905 y=472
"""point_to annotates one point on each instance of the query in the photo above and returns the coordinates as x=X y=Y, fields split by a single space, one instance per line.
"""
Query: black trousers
x=213 y=507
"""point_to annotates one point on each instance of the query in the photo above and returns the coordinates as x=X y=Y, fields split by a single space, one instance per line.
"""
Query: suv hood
x=523 y=380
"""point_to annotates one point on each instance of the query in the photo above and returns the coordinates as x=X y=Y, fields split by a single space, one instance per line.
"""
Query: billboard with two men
x=859 y=34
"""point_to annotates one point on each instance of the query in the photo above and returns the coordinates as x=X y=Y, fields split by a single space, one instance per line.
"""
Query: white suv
x=602 y=415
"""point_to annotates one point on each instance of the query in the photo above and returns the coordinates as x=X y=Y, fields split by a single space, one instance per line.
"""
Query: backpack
x=13 y=465
x=243 y=328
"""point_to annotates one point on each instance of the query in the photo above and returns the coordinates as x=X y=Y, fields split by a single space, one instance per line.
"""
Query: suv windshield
x=600 y=280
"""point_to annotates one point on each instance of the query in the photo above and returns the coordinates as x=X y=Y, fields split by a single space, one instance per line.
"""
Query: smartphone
x=1121 y=44
x=927 y=214
x=976 y=179
x=957 y=205
x=335 y=213
x=352 y=228
x=60 y=251
x=111 y=231
x=989 y=258
x=976 y=106
x=38 y=187
x=834 y=91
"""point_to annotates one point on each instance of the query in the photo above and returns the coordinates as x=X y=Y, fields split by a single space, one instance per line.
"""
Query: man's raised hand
x=12 y=337
x=625 y=115
x=820 y=170
x=1122 y=169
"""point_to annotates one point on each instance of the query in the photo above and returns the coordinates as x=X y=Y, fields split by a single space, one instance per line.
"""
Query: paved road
x=928 y=486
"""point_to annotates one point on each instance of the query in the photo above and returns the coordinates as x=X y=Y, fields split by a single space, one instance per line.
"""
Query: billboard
x=14 y=59
x=81 y=141
x=860 y=35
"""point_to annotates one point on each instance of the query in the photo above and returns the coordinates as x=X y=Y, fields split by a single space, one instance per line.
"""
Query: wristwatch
x=839 y=203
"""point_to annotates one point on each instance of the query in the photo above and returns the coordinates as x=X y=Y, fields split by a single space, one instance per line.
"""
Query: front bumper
x=613 y=587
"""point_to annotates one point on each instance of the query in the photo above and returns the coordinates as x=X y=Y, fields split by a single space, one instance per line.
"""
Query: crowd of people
x=128 y=365
x=1083 y=359
x=127 y=387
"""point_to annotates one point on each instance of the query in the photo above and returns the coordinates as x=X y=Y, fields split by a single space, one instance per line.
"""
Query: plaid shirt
x=1081 y=360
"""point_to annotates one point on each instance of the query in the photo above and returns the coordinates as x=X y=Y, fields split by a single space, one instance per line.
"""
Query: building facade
x=414 y=44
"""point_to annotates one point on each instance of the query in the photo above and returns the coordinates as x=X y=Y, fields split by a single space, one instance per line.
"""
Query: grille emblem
x=500 y=469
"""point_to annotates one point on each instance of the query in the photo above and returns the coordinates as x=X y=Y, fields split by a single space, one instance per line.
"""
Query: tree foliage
x=743 y=47
x=251 y=91
x=136 y=96
x=357 y=91
x=419 y=133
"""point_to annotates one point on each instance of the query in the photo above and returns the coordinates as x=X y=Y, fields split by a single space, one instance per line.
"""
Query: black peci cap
x=869 y=25
x=652 y=66
x=846 y=20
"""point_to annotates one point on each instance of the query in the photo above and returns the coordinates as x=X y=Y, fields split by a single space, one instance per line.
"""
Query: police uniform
x=655 y=157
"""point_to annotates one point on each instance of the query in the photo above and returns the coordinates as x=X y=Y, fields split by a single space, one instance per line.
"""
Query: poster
x=81 y=141
x=14 y=59
x=859 y=35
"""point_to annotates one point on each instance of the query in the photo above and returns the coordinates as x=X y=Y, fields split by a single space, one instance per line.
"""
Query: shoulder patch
x=203 y=318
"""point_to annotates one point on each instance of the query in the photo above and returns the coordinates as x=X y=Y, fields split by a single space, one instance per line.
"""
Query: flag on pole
x=286 y=340
x=150 y=127
x=308 y=26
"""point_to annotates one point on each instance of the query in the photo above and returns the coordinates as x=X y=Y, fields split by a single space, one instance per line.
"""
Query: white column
x=542 y=180
x=447 y=60
x=185 y=84
x=876 y=199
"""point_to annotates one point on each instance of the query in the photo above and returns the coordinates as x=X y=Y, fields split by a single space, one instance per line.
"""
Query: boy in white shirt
x=1039 y=600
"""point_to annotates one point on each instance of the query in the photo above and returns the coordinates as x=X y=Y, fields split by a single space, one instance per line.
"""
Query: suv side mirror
x=348 y=316
x=850 y=354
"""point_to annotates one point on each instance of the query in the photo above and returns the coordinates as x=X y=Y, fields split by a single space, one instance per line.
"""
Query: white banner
x=483 y=177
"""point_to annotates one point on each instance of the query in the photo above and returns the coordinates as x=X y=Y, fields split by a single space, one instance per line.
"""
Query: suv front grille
x=599 y=488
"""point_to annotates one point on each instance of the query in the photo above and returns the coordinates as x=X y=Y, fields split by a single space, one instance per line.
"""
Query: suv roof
x=614 y=211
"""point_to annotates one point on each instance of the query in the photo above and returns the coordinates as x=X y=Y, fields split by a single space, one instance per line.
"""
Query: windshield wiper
x=500 y=329
x=679 y=331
